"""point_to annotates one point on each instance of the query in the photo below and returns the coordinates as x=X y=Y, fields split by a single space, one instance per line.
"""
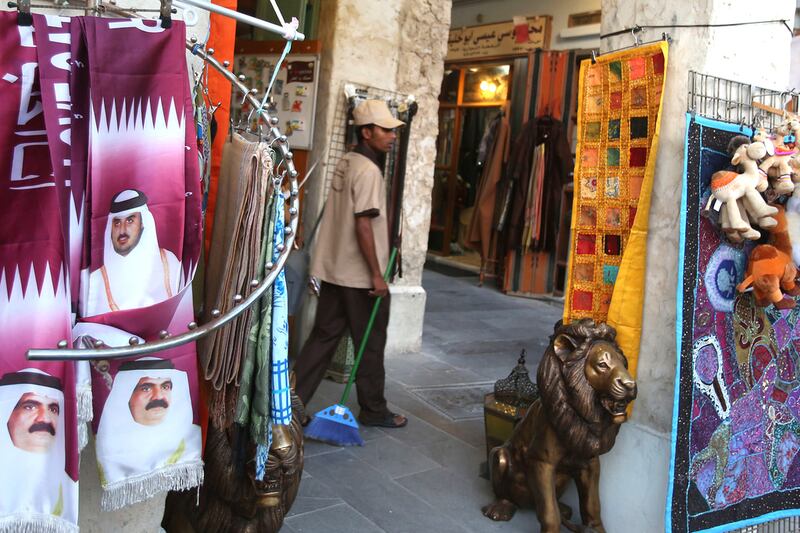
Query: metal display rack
x=737 y=102
x=258 y=287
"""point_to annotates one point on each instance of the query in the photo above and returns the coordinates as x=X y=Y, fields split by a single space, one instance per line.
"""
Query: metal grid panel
x=342 y=137
x=785 y=525
x=732 y=101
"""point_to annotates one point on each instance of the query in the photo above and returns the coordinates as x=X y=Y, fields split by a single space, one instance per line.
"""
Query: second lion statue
x=585 y=389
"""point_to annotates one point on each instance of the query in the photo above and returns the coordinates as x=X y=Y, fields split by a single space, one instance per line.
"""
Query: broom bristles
x=336 y=429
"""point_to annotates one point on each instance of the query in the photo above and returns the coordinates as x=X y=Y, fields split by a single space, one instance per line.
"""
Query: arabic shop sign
x=499 y=39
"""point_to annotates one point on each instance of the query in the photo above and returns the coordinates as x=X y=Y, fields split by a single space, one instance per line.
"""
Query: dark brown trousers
x=339 y=309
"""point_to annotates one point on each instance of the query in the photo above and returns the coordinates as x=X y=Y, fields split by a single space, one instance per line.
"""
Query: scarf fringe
x=138 y=489
x=83 y=435
x=85 y=411
x=35 y=523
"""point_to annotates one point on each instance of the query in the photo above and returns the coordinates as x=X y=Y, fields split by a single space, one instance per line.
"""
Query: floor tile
x=339 y=518
x=376 y=496
x=394 y=458
x=462 y=500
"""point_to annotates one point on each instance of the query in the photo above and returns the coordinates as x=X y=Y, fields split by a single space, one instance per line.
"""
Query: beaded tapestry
x=736 y=424
x=619 y=110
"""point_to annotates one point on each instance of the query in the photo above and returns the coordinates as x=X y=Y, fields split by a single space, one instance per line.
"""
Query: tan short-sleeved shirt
x=357 y=188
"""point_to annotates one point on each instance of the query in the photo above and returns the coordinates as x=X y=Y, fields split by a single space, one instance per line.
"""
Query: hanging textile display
x=142 y=247
x=619 y=116
x=52 y=50
x=241 y=211
x=252 y=404
x=38 y=407
x=736 y=423
x=123 y=193
x=222 y=36
x=529 y=213
x=493 y=152
x=553 y=75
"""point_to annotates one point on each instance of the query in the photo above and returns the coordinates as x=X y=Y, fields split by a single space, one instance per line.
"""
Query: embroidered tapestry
x=619 y=110
x=736 y=425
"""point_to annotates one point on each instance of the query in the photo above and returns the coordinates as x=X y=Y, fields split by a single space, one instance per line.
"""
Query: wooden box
x=500 y=419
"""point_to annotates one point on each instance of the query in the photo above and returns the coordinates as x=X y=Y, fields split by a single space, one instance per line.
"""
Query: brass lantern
x=507 y=405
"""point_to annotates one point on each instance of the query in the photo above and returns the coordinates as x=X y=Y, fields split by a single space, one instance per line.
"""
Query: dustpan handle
x=365 y=338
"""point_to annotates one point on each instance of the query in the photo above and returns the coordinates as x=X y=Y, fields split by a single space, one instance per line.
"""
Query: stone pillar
x=757 y=54
x=424 y=27
x=396 y=45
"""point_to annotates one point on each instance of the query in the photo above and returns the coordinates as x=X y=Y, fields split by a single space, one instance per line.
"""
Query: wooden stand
x=500 y=419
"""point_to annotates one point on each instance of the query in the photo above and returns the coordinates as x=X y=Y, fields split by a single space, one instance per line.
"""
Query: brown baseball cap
x=375 y=112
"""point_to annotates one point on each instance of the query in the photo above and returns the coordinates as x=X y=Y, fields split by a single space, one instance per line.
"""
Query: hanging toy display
x=776 y=164
x=739 y=192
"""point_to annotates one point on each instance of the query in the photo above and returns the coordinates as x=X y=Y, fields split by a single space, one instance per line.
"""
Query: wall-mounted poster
x=294 y=92
x=501 y=39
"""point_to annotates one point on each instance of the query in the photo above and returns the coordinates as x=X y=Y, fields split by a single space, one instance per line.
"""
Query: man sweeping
x=350 y=258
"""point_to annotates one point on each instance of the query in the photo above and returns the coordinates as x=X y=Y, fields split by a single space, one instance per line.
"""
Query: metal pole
x=287 y=32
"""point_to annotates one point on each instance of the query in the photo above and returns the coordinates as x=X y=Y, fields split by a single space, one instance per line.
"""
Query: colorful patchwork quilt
x=736 y=425
x=619 y=110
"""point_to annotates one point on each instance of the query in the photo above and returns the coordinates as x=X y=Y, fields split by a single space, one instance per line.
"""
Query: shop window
x=486 y=84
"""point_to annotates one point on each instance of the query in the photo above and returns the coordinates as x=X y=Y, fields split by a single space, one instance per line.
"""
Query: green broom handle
x=365 y=338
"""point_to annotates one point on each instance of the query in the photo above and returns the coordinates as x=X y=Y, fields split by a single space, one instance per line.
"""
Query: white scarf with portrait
x=127 y=450
x=38 y=489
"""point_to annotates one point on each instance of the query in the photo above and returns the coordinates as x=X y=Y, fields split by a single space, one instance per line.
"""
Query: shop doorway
x=472 y=97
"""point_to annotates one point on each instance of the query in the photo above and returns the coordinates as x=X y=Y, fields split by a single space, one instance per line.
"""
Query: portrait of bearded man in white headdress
x=136 y=272
x=32 y=450
x=146 y=423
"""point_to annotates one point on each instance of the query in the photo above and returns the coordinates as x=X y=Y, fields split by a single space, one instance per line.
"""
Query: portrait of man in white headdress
x=147 y=421
x=32 y=448
x=136 y=272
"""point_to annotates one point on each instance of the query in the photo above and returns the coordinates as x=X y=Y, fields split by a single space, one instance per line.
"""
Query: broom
x=336 y=424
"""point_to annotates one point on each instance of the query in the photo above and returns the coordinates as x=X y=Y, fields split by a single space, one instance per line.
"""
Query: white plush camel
x=730 y=187
x=733 y=235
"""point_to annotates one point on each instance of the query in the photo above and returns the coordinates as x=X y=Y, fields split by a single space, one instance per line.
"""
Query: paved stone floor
x=425 y=477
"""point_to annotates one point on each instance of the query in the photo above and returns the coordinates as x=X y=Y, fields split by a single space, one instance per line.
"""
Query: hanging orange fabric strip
x=222 y=40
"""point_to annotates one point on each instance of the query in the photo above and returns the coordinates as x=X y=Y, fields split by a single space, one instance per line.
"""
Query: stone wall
x=631 y=501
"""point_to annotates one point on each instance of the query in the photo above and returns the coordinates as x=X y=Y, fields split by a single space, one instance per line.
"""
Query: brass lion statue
x=231 y=499
x=585 y=389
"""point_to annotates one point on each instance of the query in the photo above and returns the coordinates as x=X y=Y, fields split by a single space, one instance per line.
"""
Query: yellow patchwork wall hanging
x=619 y=116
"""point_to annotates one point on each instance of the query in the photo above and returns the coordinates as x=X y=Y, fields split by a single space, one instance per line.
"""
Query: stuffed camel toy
x=740 y=192
x=778 y=162
x=771 y=272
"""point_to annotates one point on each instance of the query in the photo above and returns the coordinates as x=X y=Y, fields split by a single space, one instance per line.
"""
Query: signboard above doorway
x=497 y=40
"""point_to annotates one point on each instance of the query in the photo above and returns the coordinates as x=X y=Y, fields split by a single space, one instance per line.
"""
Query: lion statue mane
x=575 y=409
